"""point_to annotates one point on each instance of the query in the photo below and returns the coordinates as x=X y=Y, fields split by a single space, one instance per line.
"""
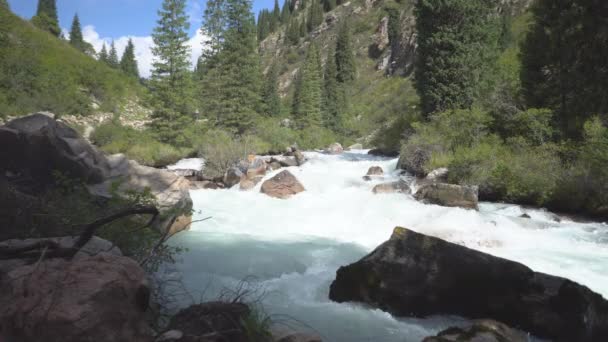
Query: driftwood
x=51 y=249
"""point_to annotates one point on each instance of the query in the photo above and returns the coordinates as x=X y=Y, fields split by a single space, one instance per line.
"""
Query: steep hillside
x=41 y=72
x=383 y=99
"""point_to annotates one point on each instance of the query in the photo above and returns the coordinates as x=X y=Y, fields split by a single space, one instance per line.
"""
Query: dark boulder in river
x=484 y=330
x=412 y=274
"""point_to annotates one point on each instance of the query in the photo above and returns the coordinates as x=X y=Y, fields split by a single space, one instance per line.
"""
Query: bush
x=274 y=135
x=221 y=151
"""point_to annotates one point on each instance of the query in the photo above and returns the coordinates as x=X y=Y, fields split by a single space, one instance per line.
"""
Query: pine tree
x=270 y=94
x=345 y=59
x=103 y=54
x=329 y=5
x=303 y=29
x=455 y=40
x=171 y=80
x=76 y=39
x=46 y=17
x=4 y=4
x=315 y=15
x=286 y=12
x=275 y=16
x=331 y=94
x=293 y=32
x=565 y=63
x=113 y=57
x=308 y=97
x=231 y=86
x=128 y=63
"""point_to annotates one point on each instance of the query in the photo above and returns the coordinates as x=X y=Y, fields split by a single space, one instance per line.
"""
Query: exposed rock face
x=416 y=275
x=211 y=322
x=381 y=37
x=36 y=146
x=485 y=330
x=105 y=301
x=448 y=195
x=334 y=148
x=283 y=185
x=399 y=186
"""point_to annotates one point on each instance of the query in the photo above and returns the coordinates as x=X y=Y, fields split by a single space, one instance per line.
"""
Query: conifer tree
x=103 y=54
x=329 y=5
x=293 y=32
x=275 y=16
x=76 y=39
x=303 y=28
x=4 y=4
x=171 y=80
x=315 y=15
x=46 y=17
x=345 y=59
x=270 y=94
x=231 y=86
x=331 y=94
x=113 y=57
x=454 y=45
x=128 y=63
x=308 y=96
x=286 y=12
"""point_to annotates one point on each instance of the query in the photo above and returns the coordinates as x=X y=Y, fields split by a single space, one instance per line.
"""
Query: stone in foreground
x=448 y=195
x=283 y=185
x=485 y=330
x=412 y=274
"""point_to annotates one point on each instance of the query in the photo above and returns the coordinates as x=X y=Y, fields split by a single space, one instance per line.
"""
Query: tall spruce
x=270 y=95
x=275 y=16
x=456 y=39
x=4 y=4
x=113 y=57
x=286 y=12
x=331 y=93
x=103 y=54
x=308 y=96
x=231 y=85
x=345 y=58
x=46 y=17
x=565 y=61
x=329 y=5
x=315 y=15
x=128 y=63
x=171 y=80
x=76 y=39
x=303 y=28
x=293 y=32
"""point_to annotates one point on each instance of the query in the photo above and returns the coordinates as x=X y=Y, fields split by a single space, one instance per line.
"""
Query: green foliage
x=270 y=95
x=332 y=113
x=292 y=34
x=308 y=95
x=345 y=59
x=564 y=61
x=275 y=136
x=103 y=54
x=140 y=146
x=329 y=5
x=171 y=81
x=457 y=43
x=315 y=15
x=285 y=12
x=113 y=57
x=231 y=86
x=128 y=63
x=46 y=17
x=40 y=72
x=221 y=150
x=4 y=5
x=76 y=38
x=257 y=326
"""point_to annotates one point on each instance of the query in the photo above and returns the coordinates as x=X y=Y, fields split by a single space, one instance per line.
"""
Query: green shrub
x=221 y=150
x=276 y=136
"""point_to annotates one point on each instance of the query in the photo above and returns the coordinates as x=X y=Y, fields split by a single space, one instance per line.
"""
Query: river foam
x=293 y=247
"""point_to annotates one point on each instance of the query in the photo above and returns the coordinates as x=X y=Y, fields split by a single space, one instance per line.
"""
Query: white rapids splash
x=294 y=247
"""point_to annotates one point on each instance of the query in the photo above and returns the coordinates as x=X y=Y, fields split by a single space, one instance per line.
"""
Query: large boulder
x=233 y=176
x=412 y=274
x=399 y=186
x=283 y=185
x=37 y=146
x=448 y=195
x=485 y=330
x=413 y=159
x=102 y=298
x=170 y=191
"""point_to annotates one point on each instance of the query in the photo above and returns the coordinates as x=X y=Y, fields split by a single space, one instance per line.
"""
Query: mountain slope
x=41 y=72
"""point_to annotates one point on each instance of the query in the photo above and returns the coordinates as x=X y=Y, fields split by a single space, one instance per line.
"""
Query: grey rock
x=448 y=195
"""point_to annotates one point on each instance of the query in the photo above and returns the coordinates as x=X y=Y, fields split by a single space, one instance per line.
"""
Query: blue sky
x=117 y=18
x=104 y=21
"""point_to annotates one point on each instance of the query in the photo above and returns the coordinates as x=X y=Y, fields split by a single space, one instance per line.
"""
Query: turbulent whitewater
x=292 y=248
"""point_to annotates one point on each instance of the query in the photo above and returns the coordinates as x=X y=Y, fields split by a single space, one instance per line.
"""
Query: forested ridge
x=506 y=94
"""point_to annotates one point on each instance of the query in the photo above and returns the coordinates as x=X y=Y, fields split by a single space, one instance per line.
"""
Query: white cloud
x=143 y=47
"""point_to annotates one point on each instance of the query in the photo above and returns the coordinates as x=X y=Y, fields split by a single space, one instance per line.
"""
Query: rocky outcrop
x=485 y=330
x=209 y=322
x=106 y=300
x=381 y=39
x=448 y=195
x=399 y=186
x=283 y=185
x=35 y=147
x=413 y=160
x=417 y=275
x=334 y=148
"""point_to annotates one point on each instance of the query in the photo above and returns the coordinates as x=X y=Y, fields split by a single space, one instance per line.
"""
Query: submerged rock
x=283 y=185
x=101 y=298
x=334 y=148
x=399 y=186
x=412 y=274
x=485 y=330
x=375 y=171
x=448 y=195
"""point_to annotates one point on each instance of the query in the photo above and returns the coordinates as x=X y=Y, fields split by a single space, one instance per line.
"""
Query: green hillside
x=39 y=71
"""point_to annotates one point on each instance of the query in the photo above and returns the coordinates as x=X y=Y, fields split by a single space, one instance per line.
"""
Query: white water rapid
x=294 y=247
